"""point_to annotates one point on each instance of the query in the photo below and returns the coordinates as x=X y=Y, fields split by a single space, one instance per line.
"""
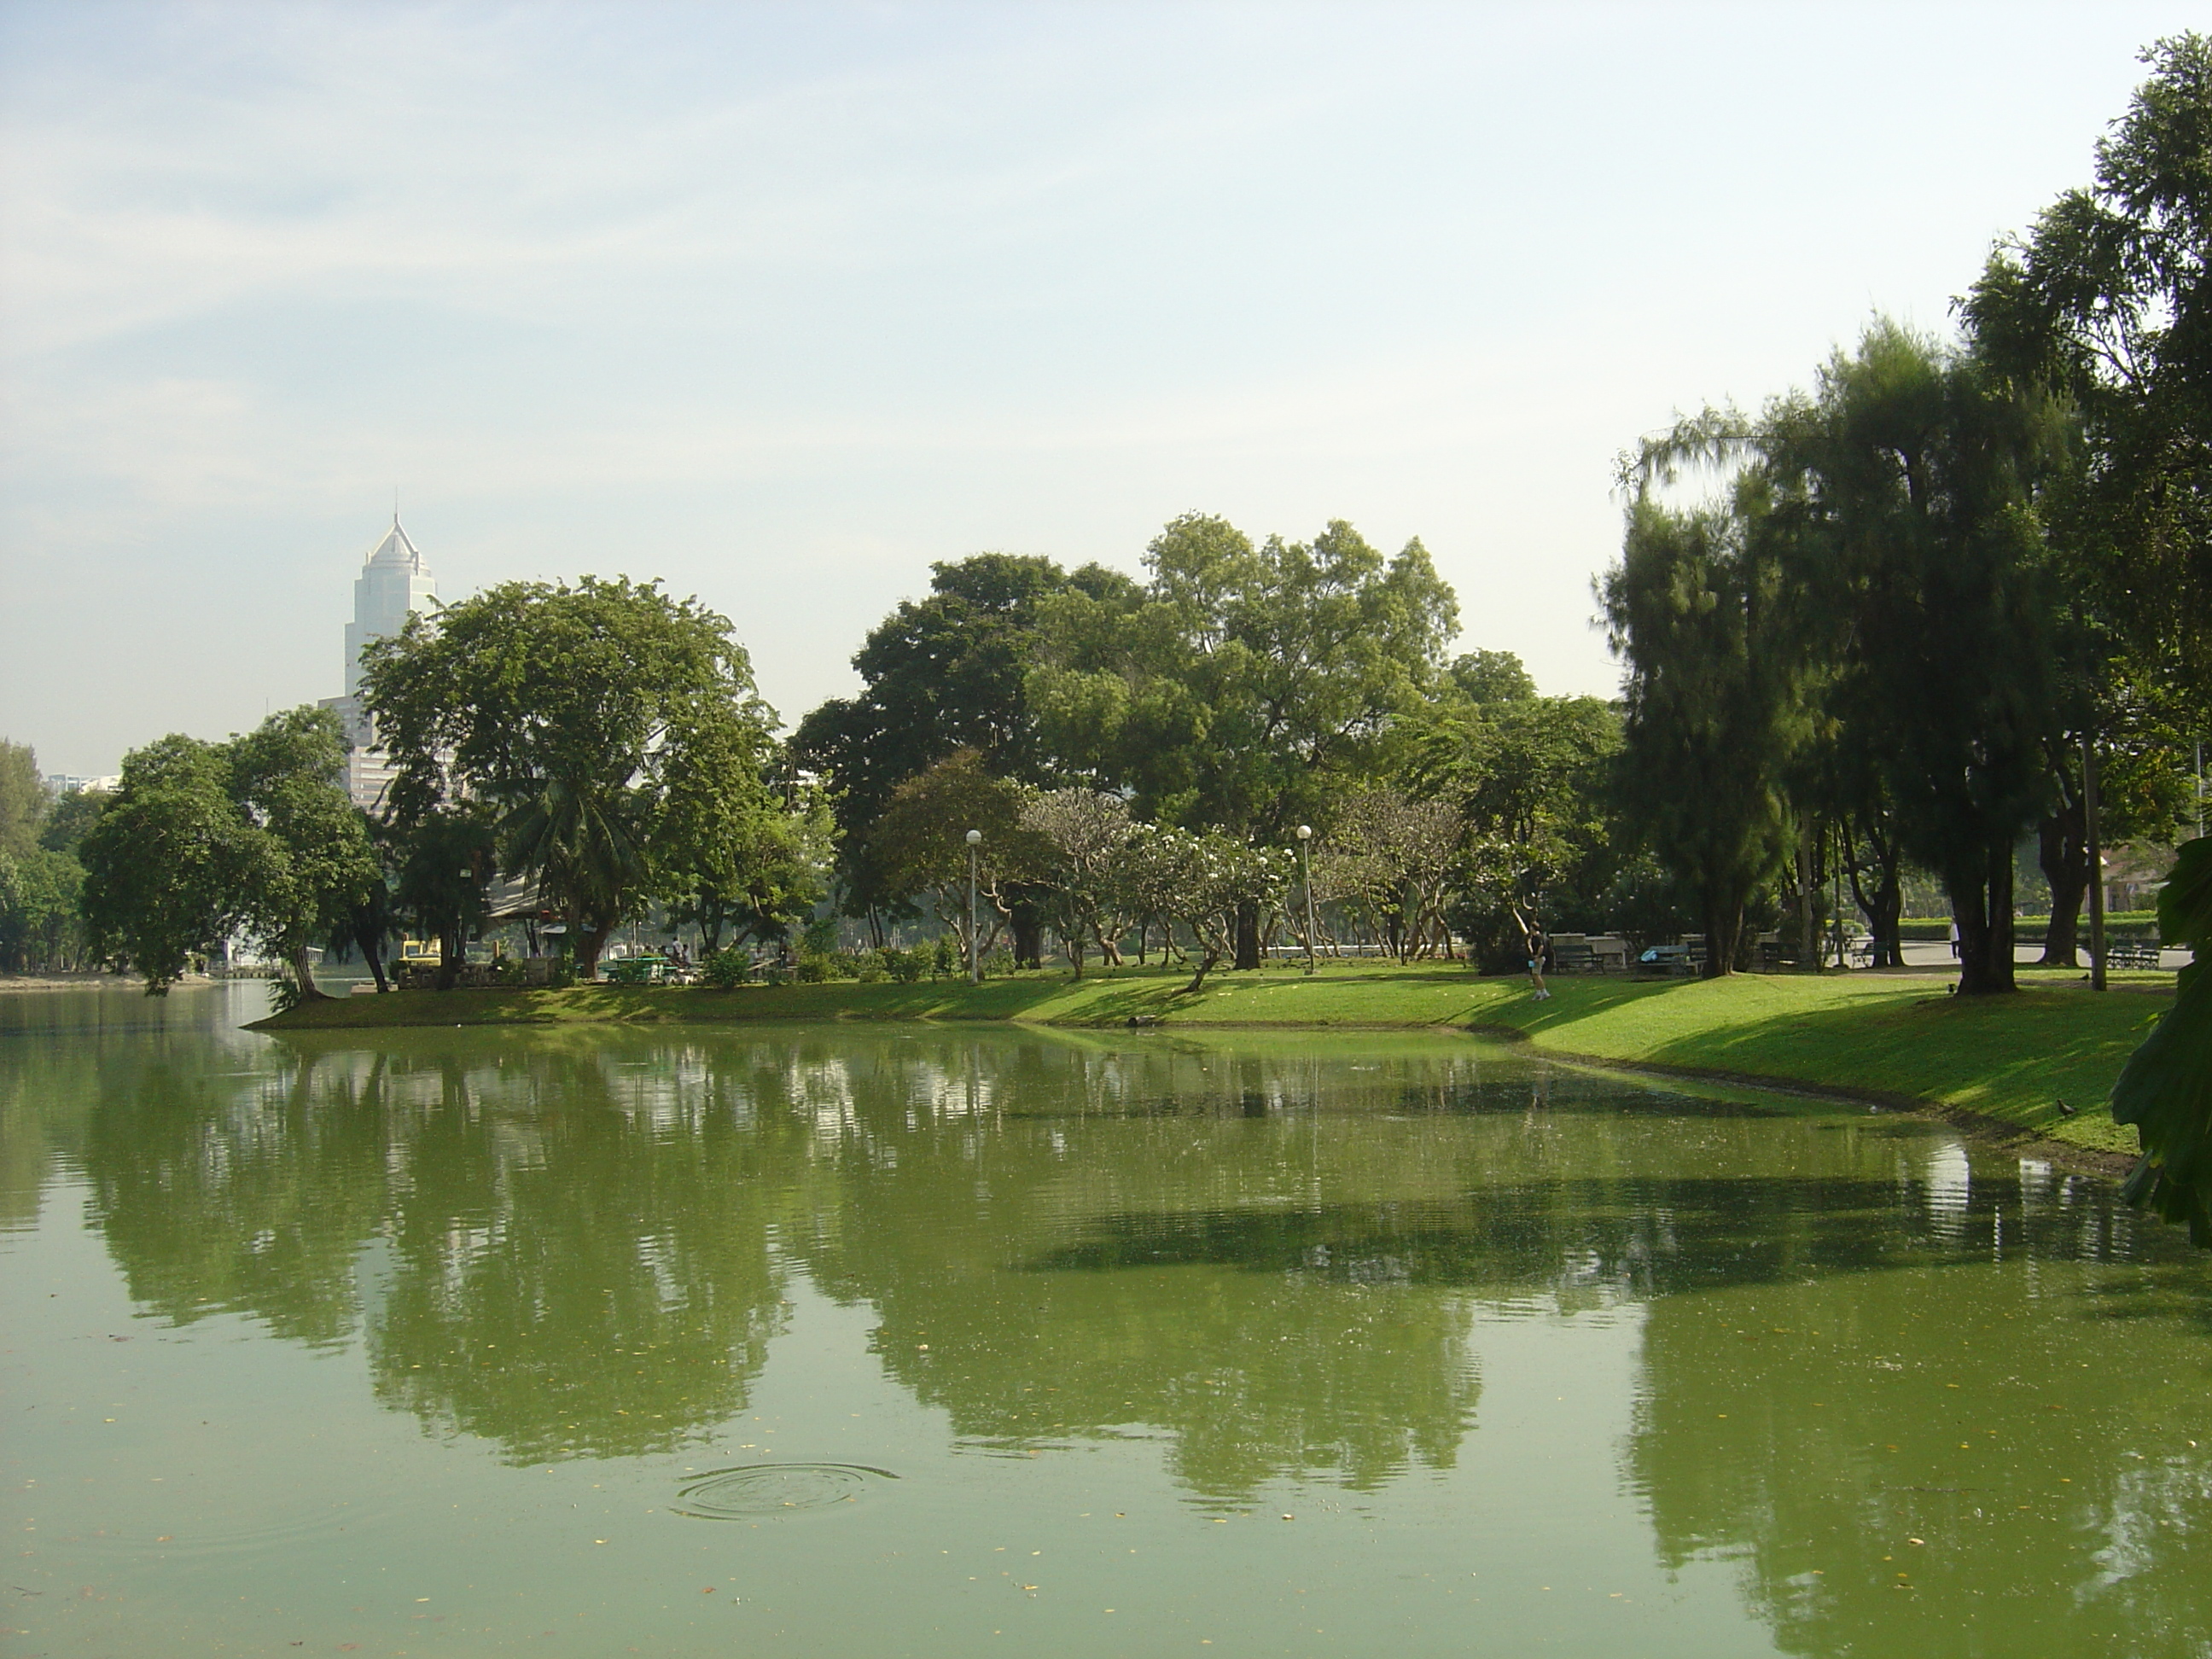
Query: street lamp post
x=974 y=940
x=1305 y=880
x=2094 y=835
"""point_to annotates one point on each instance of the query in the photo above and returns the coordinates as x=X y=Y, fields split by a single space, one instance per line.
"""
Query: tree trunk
x=1723 y=933
x=2002 y=968
x=1072 y=944
x=372 y=952
x=1886 y=918
x=2062 y=848
x=1884 y=909
x=1205 y=966
x=1981 y=905
x=1248 y=936
x=1970 y=920
x=450 y=953
x=590 y=938
x=1807 y=958
x=1028 y=929
x=304 y=976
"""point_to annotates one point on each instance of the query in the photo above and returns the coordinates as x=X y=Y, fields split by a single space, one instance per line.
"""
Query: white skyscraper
x=394 y=585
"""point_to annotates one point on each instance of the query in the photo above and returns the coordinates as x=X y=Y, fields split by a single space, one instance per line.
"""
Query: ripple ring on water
x=755 y=1489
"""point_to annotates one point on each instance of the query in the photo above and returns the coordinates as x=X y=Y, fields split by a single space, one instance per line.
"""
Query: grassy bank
x=1897 y=1036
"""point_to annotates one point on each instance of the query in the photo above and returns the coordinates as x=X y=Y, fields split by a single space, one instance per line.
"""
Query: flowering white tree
x=1204 y=881
x=1082 y=835
x=1393 y=857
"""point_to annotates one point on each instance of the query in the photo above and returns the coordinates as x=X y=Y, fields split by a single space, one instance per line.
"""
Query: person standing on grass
x=1537 y=946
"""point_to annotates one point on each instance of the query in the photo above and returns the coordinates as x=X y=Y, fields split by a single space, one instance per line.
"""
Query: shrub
x=727 y=968
x=907 y=967
x=814 y=968
x=997 y=964
x=946 y=956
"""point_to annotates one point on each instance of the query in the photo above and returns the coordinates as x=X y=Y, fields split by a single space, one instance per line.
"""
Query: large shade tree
x=39 y=876
x=2108 y=301
x=944 y=673
x=1243 y=684
x=613 y=732
x=255 y=836
x=1893 y=562
x=920 y=843
x=1713 y=693
x=1529 y=778
x=1912 y=480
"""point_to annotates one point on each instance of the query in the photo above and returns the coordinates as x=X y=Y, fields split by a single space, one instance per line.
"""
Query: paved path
x=1934 y=953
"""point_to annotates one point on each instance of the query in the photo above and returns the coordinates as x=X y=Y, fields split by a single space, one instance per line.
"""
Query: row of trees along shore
x=1898 y=620
x=1958 y=591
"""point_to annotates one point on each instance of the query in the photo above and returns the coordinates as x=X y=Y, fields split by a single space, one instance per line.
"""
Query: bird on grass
x=2064 y=1110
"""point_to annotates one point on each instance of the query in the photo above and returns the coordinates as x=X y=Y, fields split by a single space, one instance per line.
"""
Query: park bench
x=1571 y=954
x=2130 y=953
x=1675 y=959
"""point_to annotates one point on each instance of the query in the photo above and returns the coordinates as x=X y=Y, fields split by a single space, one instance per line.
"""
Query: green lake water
x=953 y=1341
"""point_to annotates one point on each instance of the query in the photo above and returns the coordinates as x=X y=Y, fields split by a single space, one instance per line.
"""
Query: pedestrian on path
x=1537 y=946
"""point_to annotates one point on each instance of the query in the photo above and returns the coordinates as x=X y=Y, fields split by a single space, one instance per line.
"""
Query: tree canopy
x=202 y=840
x=1241 y=681
x=614 y=732
x=939 y=675
x=2107 y=300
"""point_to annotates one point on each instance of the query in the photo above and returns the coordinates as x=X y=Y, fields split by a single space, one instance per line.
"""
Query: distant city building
x=394 y=583
x=2133 y=871
x=61 y=783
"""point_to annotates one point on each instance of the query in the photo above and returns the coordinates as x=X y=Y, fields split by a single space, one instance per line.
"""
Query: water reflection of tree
x=570 y=1244
x=218 y=1199
x=954 y=1216
x=561 y=1247
x=1812 y=1429
x=578 y=1257
x=63 y=1051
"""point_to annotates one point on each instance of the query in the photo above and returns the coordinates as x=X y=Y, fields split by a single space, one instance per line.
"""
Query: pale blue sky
x=783 y=302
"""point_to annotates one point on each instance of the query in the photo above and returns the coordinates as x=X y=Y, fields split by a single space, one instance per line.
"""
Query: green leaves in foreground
x=2166 y=1089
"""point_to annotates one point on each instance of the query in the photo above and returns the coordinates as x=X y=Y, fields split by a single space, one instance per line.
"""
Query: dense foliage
x=254 y=837
x=608 y=738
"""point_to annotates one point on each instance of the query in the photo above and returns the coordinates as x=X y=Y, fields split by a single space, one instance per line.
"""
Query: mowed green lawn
x=1899 y=1036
